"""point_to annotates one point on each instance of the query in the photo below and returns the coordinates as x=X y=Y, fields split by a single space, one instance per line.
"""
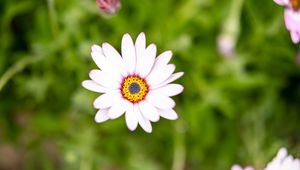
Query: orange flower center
x=134 y=88
x=295 y=4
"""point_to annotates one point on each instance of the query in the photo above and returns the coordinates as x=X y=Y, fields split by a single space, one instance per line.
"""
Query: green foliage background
x=238 y=110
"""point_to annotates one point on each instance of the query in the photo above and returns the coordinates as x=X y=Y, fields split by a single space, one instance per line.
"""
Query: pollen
x=134 y=88
x=295 y=4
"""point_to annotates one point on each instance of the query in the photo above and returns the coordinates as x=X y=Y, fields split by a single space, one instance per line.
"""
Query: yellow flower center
x=295 y=4
x=134 y=88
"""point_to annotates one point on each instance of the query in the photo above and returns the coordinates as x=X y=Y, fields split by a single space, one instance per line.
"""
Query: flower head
x=108 y=7
x=226 y=45
x=292 y=17
x=283 y=161
x=135 y=82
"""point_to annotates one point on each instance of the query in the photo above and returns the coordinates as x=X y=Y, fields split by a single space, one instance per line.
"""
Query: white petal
x=160 y=74
x=96 y=48
x=145 y=123
x=131 y=118
x=93 y=86
x=106 y=100
x=149 y=111
x=170 y=89
x=248 y=168
x=163 y=59
x=172 y=78
x=104 y=79
x=102 y=62
x=118 y=108
x=160 y=101
x=282 y=2
x=287 y=163
x=141 y=40
x=296 y=164
x=99 y=59
x=101 y=116
x=140 y=45
x=128 y=53
x=277 y=161
x=146 y=61
x=140 y=48
x=295 y=36
x=114 y=58
x=168 y=114
x=236 y=167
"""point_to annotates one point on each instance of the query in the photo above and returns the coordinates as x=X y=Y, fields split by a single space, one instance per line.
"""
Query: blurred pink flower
x=226 y=45
x=109 y=7
x=292 y=17
x=237 y=167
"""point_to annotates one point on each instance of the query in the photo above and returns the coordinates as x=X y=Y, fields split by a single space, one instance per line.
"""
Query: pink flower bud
x=109 y=7
x=226 y=45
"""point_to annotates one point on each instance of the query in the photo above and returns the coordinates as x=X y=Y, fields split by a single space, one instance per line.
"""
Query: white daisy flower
x=283 y=161
x=136 y=83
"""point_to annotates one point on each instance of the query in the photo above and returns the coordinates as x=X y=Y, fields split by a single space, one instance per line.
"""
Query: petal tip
x=126 y=35
x=95 y=105
x=174 y=118
x=148 y=130
x=152 y=46
x=100 y=117
x=104 y=44
x=182 y=88
x=142 y=34
x=180 y=74
x=95 y=47
x=170 y=52
x=92 y=72
x=97 y=120
x=131 y=128
x=83 y=83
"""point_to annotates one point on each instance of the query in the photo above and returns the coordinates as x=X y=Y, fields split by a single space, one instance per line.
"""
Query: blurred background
x=241 y=101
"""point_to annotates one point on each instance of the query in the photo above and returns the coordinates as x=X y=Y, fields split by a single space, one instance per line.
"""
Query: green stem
x=18 y=67
x=179 y=147
x=53 y=17
x=231 y=24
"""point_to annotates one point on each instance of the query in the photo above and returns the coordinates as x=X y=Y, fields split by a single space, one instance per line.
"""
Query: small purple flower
x=108 y=7
x=226 y=45
x=292 y=17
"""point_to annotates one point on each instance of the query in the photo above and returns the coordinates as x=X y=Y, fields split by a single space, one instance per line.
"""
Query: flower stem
x=18 y=67
x=179 y=147
x=230 y=29
x=53 y=17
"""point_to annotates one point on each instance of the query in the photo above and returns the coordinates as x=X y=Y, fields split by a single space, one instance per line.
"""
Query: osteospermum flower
x=283 y=161
x=292 y=17
x=135 y=83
